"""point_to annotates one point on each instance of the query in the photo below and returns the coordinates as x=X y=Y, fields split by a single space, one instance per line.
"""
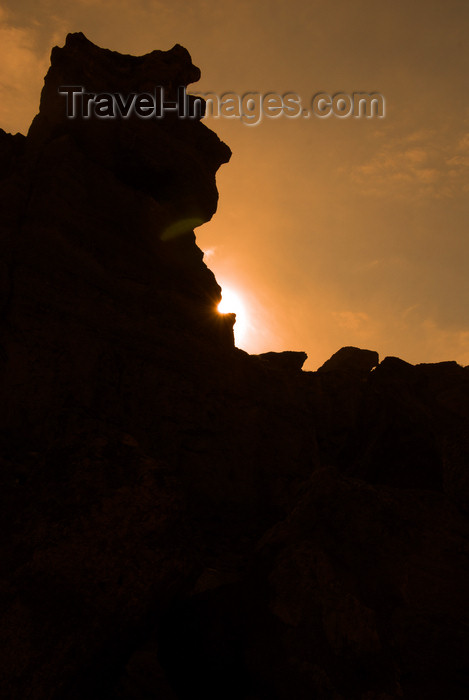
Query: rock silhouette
x=180 y=518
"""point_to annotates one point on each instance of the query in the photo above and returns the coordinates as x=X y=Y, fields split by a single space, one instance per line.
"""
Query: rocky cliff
x=180 y=518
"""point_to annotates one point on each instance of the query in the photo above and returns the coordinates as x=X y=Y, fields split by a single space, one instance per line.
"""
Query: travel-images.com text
x=251 y=107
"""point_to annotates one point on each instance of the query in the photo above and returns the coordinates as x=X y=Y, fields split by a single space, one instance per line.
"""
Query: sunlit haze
x=332 y=231
x=232 y=302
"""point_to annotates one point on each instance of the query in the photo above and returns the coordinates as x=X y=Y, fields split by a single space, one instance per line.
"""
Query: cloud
x=23 y=67
x=352 y=320
x=435 y=341
x=416 y=166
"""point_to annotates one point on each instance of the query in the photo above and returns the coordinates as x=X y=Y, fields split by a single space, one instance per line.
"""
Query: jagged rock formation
x=178 y=517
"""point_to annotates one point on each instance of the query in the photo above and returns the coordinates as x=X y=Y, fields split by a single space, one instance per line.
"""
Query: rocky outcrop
x=361 y=596
x=351 y=360
x=287 y=360
x=178 y=517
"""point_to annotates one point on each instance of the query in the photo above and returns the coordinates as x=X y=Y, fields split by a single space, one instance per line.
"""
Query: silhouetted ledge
x=288 y=360
x=180 y=518
x=351 y=359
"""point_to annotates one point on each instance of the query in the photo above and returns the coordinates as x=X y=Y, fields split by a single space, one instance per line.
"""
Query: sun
x=232 y=303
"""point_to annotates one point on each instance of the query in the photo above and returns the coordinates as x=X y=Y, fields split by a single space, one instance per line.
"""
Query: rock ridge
x=179 y=517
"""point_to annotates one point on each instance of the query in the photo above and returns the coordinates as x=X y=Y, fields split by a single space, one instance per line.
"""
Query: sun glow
x=232 y=303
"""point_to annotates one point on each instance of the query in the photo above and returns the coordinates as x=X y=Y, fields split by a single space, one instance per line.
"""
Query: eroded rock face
x=97 y=230
x=178 y=517
x=172 y=159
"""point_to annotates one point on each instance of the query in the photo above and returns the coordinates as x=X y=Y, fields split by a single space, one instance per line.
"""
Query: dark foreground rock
x=180 y=518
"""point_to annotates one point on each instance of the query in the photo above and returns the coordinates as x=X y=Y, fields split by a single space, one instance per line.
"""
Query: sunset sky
x=332 y=232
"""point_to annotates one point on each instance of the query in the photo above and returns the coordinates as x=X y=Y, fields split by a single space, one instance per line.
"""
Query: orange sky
x=334 y=232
